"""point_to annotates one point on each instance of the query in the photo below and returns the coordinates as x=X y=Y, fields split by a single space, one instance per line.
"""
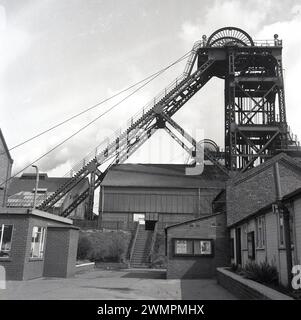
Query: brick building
x=156 y=193
x=256 y=226
x=36 y=244
x=197 y=247
x=6 y=163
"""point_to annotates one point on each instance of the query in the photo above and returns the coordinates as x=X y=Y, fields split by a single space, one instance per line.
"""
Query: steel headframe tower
x=255 y=116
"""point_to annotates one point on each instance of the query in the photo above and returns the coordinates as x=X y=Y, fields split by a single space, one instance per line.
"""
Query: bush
x=84 y=248
x=117 y=249
x=263 y=272
x=97 y=255
x=235 y=268
x=105 y=246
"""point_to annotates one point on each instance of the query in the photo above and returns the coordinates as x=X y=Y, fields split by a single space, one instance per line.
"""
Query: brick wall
x=256 y=188
x=245 y=289
x=199 y=267
x=72 y=252
x=61 y=249
x=19 y=266
x=15 y=264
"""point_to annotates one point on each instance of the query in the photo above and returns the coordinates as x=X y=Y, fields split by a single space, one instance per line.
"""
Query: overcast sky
x=59 y=57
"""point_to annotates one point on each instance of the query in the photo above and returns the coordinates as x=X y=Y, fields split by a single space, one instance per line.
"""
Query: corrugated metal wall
x=192 y=201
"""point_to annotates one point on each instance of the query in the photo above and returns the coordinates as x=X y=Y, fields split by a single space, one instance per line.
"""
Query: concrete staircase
x=141 y=249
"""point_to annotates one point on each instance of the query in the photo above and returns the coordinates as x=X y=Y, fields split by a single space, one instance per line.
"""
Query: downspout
x=286 y=223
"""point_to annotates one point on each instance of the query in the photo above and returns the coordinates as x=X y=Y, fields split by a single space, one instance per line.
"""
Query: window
x=245 y=237
x=232 y=248
x=6 y=232
x=260 y=232
x=281 y=229
x=193 y=247
x=37 y=242
x=251 y=245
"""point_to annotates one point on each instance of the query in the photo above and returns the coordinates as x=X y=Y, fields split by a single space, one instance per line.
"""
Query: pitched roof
x=5 y=147
x=163 y=175
x=26 y=198
x=21 y=189
x=281 y=157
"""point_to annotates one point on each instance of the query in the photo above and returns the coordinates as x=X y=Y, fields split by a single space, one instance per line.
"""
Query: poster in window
x=251 y=245
x=181 y=246
x=205 y=247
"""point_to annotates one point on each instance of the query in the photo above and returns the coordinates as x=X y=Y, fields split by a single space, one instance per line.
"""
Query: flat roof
x=35 y=212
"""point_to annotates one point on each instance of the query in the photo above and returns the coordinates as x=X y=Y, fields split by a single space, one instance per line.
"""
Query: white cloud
x=14 y=42
x=226 y=13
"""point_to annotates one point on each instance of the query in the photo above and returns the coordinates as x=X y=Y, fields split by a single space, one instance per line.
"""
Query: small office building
x=197 y=247
x=35 y=244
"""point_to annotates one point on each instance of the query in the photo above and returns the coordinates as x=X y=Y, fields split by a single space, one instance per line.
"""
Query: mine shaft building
x=156 y=194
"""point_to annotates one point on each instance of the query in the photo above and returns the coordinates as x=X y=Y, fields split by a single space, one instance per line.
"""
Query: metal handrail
x=268 y=43
x=134 y=242
x=101 y=147
x=150 y=256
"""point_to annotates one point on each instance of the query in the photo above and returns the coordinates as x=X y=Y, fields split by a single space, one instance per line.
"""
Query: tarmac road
x=114 y=285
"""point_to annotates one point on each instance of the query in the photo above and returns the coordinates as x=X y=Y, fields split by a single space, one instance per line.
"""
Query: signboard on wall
x=181 y=246
x=205 y=247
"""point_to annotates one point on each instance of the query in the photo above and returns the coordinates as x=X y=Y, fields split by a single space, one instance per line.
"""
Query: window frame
x=2 y=225
x=193 y=254
x=244 y=232
x=281 y=240
x=251 y=240
x=260 y=232
x=41 y=244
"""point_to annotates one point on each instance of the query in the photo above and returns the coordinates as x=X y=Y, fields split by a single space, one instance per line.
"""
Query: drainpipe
x=36 y=187
x=286 y=223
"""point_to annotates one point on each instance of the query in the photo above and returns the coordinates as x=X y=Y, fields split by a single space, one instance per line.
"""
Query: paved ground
x=109 y=285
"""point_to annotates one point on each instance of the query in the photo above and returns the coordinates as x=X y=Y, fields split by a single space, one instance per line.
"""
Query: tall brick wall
x=256 y=189
x=199 y=267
